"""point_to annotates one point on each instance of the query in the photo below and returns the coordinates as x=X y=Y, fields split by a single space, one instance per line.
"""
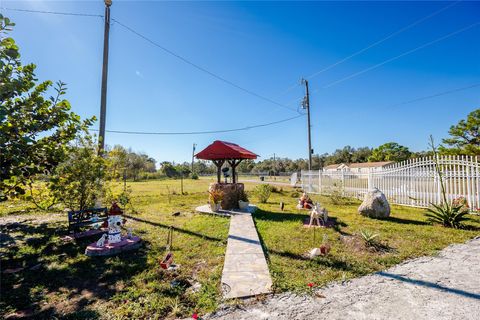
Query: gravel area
x=446 y=286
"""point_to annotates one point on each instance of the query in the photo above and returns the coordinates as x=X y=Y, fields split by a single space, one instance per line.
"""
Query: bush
x=242 y=195
x=79 y=180
x=263 y=192
x=194 y=176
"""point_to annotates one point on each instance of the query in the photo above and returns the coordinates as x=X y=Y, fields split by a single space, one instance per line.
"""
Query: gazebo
x=220 y=152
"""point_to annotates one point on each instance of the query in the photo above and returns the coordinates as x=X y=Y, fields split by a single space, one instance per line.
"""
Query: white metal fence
x=413 y=182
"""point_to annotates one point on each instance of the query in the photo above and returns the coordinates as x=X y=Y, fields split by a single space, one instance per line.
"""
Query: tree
x=79 y=180
x=34 y=130
x=390 y=151
x=465 y=136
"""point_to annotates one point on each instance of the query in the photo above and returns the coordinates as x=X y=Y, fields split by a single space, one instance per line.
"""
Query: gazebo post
x=219 y=164
x=234 y=164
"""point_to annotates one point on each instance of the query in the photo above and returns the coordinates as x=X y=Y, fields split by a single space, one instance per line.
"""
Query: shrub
x=79 y=180
x=263 y=192
x=194 y=176
x=242 y=195
x=215 y=196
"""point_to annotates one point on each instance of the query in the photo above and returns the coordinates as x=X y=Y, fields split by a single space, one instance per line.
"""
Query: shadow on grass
x=279 y=216
x=328 y=261
x=432 y=285
x=161 y=225
x=404 y=221
x=48 y=269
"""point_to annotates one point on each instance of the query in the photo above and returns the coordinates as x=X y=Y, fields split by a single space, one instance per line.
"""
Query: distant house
x=357 y=167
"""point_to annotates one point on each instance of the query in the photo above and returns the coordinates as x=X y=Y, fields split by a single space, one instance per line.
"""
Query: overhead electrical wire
x=202 y=68
x=391 y=35
x=401 y=55
x=353 y=75
x=185 y=60
x=55 y=12
x=436 y=95
x=204 y=132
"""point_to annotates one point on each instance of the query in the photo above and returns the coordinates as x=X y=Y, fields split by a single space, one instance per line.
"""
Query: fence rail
x=413 y=182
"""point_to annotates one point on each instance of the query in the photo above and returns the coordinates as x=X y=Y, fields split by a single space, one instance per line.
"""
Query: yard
x=58 y=279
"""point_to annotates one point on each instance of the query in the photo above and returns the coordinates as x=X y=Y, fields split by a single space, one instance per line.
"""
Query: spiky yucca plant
x=369 y=238
x=448 y=215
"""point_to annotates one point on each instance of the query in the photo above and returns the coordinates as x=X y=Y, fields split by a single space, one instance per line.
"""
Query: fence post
x=370 y=182
x=343 y=182
x=319 y=181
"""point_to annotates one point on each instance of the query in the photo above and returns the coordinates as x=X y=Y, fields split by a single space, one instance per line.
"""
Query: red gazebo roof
x=219 y=150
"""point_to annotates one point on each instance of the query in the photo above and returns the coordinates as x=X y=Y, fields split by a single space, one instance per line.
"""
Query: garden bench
x=79 y=220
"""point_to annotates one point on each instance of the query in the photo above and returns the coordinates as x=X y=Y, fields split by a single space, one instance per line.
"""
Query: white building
x=357 y=167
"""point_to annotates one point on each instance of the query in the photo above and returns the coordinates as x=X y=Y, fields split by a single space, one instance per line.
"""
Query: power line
x=331 y=84
x=202 y=68
x=391 y=35
x=436 y=95
x=203 y=132
x=167 y=51
x=56 y=12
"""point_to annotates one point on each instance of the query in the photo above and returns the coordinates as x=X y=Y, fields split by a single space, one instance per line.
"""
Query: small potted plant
x=243 y=200
x=215 y=198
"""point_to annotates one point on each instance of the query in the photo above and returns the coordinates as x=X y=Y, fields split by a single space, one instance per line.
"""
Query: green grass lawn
x=68 y=284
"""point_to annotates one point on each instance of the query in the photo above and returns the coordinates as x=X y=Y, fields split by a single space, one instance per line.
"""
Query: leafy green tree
x=80 y=179
x=169 y=169
x=390 y=151
x=464 y=136
x=34 y=130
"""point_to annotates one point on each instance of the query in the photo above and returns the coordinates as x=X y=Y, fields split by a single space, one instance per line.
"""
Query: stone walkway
x=245 y=272
x=446 y=287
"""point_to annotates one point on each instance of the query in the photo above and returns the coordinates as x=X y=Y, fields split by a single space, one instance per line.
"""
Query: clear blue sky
x=265 y=47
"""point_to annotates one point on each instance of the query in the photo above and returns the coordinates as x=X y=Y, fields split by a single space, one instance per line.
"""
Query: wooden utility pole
x=306 y=105
x=103 y=101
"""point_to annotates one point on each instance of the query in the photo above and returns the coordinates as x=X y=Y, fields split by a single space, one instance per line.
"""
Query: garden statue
x=305 y=202
x=114 y=223
x=113 y=242
x=101 y=241
x=316 y=214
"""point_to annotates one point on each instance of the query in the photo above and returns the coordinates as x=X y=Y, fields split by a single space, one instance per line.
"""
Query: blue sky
x=265 y=47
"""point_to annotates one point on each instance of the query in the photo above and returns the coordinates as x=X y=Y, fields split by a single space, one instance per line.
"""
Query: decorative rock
x=375 y=205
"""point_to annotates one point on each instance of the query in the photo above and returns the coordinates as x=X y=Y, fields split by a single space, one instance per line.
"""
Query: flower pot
x=243 y=204
x=215 y=207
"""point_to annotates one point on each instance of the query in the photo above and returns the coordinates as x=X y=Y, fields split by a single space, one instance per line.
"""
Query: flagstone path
x=245 y=272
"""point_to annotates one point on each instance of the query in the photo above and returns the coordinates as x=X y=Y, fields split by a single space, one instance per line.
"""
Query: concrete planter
x=215 y=207
x=243 y=204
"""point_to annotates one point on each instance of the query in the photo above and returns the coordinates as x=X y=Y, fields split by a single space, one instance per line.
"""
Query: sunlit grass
x=132 y=285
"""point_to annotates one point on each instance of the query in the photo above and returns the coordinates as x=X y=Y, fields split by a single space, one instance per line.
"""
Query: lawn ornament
x=101 y=241
x=318 y=216
x=323 y=250
x=168 y=259
x=325 y=247
x=115 y=222
x=112 y=242
x=305 y=202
